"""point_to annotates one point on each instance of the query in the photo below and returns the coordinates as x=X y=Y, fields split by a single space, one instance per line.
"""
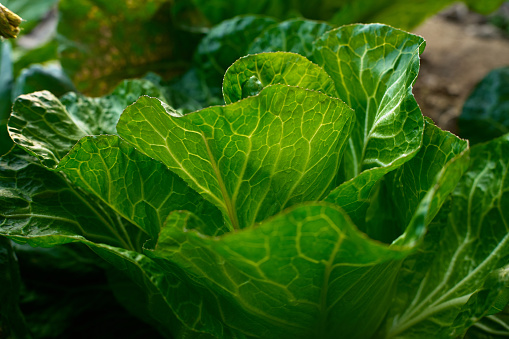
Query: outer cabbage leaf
x=452 y=281
x=65 y=294
x=41 y=208
x=306 y=272
x=296 y=35
x=48 y=129
x=248 y=75
x=252 y=158
x=139 y=188
x=12 y=322
x=373 y=68
x=41 y=124
x=484 y=116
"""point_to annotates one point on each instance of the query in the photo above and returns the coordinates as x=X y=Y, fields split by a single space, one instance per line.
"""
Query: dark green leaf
x=296 y=35
x=485 y=113
x=41 y=124
x=39 y=207
x=12 y=321
x=466 y=244
x=227 y=42
x=39 y=78
x=491 y=326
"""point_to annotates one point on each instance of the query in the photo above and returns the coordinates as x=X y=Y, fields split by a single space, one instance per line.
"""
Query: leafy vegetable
x=316 y=202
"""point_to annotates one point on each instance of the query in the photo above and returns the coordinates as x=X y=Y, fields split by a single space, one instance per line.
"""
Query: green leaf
x=466 y=243
x=274 y=68
x=296 y=36
x=48 y=128
x=415 y=192
x=227 y=42
x=306 y=272
x=491 y=326
x=252 y=158
x=39 y=78
x=139 y=188
x=374 y=76
x=100 y=115
x=373 y=68
x=39 y=207
x=12 y=322
x=484 y=116
x=41 y=124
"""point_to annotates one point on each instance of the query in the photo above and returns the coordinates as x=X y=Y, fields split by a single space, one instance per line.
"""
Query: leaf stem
x=230 y=208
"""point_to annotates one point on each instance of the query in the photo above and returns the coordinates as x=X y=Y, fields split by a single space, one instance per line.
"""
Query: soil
x=461 y=48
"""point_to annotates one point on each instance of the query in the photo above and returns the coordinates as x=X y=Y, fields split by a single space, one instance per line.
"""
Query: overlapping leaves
x=245 y=220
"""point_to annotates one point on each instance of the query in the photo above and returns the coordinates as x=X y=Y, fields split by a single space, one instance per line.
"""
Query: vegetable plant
x=315 y=202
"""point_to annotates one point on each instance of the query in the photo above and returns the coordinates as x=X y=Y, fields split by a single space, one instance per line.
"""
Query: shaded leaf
x=100 y=115
x=485 y=113
x=295 y=35
x=12 y=321
x=225 y=43
x=40 y=208
x=468 y=241
x=39 y=78
x=415 y=192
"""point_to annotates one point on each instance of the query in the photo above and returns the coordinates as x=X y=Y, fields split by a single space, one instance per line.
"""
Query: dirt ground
x=461 y=48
